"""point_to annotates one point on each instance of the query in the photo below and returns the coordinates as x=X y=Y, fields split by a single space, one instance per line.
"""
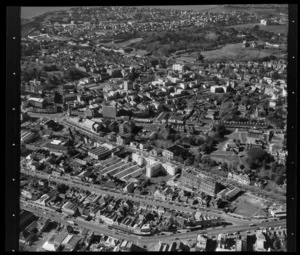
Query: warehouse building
x=27 y=136
x=102 y=151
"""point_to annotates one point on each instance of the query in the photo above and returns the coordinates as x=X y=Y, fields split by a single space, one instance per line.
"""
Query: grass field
x=237 y=53
x=249 y=206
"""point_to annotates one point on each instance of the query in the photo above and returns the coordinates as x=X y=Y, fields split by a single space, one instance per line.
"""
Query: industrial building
x=202 y=183
x=27 y=136
x=100 y=152
x=55 y=148
x=119 y=168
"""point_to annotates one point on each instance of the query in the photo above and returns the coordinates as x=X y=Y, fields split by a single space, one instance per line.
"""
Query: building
x=241 y=244
x=200 y=182
x=153 y=169
x=240 y=178
x=109 y=110
x=263 y=22
x=139 y=159
x=36 y=102
x=40 y=154
x=201 y=242
x=48 y=247
x=171 y=169
x=218 y=89
x=69 y=208
x=43 y=200
x=27 y=136
x=128 y=85
x=210 y=186
x=70 y=97
x=278 y=212
x=172 y=151
x=26 y=218
x=179 y=68
x=101 y=151
x=129 y=187
x=260 y=241
x=55 y=148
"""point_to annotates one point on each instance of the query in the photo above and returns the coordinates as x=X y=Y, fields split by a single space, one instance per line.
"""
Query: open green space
x=236 y=52
x=249 y=206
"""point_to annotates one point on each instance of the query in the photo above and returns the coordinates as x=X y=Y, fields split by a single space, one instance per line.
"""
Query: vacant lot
x=249 y=206
x=236 y=52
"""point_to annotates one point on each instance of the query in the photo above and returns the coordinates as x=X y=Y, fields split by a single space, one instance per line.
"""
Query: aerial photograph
x=153 y=128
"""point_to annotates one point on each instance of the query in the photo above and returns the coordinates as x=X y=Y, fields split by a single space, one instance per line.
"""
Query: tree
x=57 y=98
x=70 y=229
x=256 y=28
x=180 y=159
x=220 y=129
x=200 y=57
x=279 y=179
x=277 y=244
x=255 y=156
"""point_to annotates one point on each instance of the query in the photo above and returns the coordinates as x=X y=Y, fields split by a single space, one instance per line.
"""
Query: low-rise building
x=241 y=178
x=69 y=208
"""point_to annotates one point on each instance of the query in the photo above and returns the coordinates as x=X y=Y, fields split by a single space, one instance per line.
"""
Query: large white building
x=172 y=169
x=152 y=170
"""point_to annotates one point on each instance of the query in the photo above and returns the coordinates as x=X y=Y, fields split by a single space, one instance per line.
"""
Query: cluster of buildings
x=99 y=21
x=261 y=240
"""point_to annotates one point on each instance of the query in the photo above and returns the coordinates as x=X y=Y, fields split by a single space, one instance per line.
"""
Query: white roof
x=36 y=99
x=108 y=146
x=49 y=246
x=56 y=142
x=88 y=123
x=67 y=239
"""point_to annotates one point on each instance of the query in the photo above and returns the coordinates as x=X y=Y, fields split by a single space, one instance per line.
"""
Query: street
x=147 y=240
x=95 y=189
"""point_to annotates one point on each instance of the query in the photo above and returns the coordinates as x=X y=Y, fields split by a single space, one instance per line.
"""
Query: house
x=263 y=22
x=201 y=242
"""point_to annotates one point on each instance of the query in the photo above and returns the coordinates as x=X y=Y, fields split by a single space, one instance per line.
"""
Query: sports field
x=250 y=206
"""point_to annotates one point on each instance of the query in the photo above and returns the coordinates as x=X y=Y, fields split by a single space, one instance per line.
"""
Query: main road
x=149 y=240
x=96 y=189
